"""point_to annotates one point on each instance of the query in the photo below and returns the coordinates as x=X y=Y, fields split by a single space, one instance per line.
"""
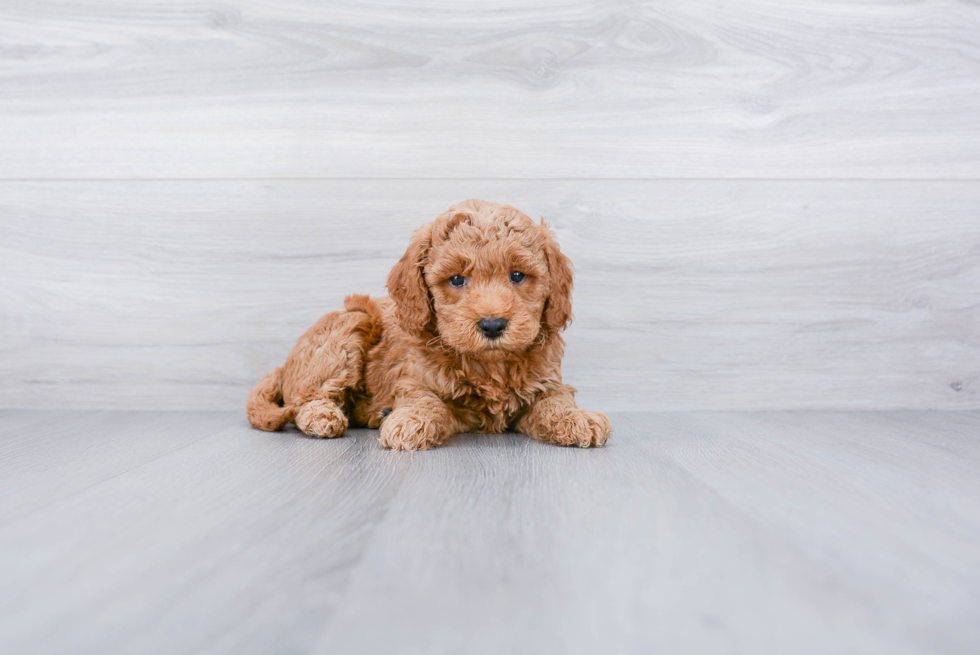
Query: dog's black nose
x=492 y=328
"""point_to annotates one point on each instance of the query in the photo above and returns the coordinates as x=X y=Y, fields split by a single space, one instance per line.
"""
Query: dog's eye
x=517 y=277
x=457 y=280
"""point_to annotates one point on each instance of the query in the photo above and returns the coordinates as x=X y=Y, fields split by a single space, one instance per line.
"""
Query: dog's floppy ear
x=558 y=307
x=406 y=284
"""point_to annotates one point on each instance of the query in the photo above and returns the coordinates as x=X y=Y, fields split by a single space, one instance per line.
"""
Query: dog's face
x=485 y=279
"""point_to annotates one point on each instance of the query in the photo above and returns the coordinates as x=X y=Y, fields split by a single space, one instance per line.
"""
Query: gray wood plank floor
x=707 y=532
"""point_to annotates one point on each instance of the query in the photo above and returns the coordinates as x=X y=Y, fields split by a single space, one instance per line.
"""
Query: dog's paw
x=404 y=429
x=321 y=418
x=581 y=428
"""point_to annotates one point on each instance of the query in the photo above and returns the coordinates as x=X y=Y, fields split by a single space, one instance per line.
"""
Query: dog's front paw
x=321 y=418
x=581 y=428
x=404 y=429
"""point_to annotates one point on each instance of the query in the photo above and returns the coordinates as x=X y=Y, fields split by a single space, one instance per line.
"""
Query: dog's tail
x=265 y=410
x=371 y=329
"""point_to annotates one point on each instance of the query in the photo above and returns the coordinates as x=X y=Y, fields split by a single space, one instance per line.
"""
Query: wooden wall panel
x=761 y=88
x=689 y=294
x=770 y=204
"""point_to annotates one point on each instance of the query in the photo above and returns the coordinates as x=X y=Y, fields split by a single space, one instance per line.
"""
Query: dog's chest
x=490 y=404
x=488 y=409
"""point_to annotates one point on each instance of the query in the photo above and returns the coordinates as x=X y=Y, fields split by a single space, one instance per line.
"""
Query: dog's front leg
x=420 y=420
x=554 y=417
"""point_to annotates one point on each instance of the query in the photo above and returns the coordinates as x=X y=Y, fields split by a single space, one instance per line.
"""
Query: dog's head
x=484 y=278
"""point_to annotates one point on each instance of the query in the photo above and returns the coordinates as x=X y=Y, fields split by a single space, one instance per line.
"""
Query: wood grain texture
x=827 y=88
x=47 y=459
x=189 y=525
x=804 y=532
x=689 y=294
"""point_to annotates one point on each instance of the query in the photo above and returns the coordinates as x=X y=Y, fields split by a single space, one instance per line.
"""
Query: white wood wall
x=770 y=204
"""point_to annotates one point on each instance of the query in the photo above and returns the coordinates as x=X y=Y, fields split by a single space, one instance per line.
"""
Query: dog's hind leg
x=327 y=365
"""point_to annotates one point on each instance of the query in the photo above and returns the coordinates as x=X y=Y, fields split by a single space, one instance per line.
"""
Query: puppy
x=468 y=341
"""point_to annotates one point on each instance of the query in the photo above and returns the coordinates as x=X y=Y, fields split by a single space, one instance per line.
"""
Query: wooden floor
x=691 y=532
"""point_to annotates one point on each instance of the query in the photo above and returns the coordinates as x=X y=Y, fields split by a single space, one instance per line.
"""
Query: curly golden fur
x=421 y=366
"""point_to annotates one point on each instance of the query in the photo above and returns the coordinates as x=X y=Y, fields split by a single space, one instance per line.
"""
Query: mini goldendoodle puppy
x=467 y=342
